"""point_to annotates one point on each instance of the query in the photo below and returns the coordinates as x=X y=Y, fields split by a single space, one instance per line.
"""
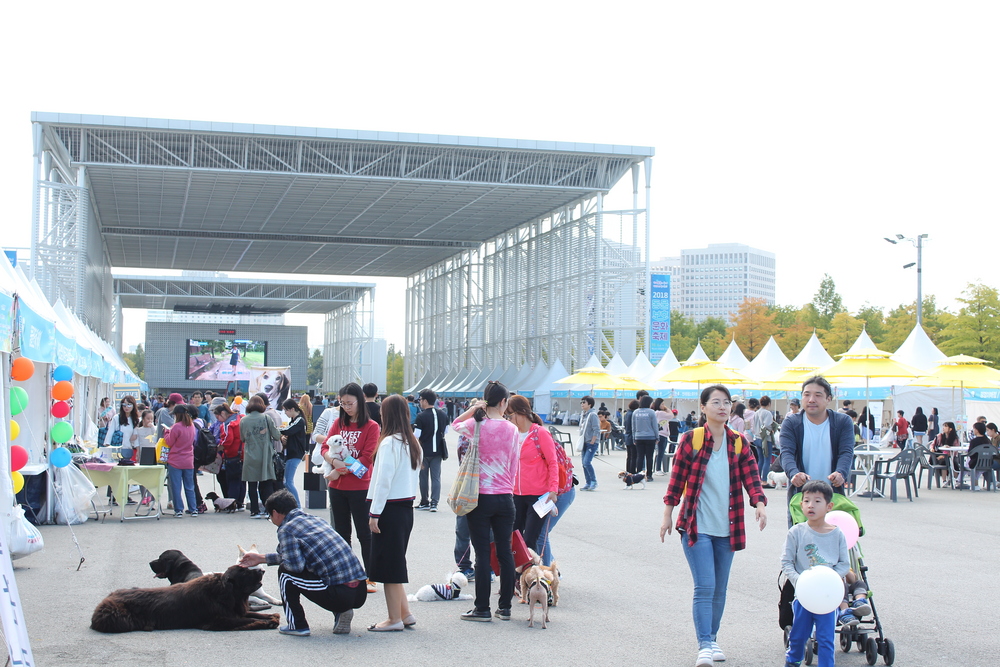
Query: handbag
x=116 y=438
x=279 y=466
x=517 y=546
x=162 y=451
x=464 y=496
x=24 y=538
x=215 y=466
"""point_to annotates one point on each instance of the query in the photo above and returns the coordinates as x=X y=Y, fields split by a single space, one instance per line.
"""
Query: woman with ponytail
x=498 y=452
x=537 y=469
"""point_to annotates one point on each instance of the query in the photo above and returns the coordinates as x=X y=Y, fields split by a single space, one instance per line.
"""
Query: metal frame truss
x=563 y=286
x=348 y=336
x=341 y=157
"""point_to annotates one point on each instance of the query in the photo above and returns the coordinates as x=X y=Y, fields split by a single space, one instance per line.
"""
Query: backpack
x=205 y=448
x=565 y=467
x=698 y=439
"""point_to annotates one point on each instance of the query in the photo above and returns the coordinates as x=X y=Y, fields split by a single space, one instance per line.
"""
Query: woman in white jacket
x=392 y=490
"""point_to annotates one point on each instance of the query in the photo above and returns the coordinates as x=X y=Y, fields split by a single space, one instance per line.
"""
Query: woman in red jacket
x=231 y=445
x=349 y=493
x=537 y=469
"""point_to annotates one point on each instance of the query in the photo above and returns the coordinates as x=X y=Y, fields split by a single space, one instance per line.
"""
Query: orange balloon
x=62 y=391
x=22 y=369
x=238 y=400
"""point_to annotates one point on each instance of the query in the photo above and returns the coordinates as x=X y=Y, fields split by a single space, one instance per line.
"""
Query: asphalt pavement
x=625 y=596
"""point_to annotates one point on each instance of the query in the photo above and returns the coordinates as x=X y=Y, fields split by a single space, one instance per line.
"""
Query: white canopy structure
x=640 y=368
x=733 y=357
x=864 y=342
x=616 y=366
x=667 y=363
x=543 y=394
x=813 y=355
x=770 y=361
x=697 y=355
x=918 y=351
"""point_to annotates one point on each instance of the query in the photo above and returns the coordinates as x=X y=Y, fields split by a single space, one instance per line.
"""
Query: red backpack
x=565 y=467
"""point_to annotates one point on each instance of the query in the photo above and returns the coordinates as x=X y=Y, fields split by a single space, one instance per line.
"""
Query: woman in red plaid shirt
x=710 y=479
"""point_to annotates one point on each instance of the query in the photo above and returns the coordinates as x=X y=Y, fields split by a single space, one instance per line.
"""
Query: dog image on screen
x=274 y=384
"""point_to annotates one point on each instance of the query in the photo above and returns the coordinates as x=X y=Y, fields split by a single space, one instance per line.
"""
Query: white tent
x=918 y=351
x=733 y=357
x=543 y=395
x=667 y=363
x=616 y=366
x=770 y=361
x=697 y=355
x=640 y=368
x=864 y=342
x=813 y=355
x=534 y=380
x=518 y=381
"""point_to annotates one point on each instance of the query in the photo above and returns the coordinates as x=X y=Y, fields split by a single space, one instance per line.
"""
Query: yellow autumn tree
x=752 y=325
x=844 y=330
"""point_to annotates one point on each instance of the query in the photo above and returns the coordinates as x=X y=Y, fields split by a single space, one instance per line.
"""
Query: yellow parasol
x=622 y=383
x=588 y=375
x=960 y=371
x=706 y=372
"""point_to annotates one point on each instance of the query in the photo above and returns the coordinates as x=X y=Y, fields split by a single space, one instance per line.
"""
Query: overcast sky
x=808 y=129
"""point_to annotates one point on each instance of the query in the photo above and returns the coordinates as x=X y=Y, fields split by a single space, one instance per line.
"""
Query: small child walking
x=808 y=544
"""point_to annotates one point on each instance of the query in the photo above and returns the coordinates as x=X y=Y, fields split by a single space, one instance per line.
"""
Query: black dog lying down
x=176 y=568
x=210 y=602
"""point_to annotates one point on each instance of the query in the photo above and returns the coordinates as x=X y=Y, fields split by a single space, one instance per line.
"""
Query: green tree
x=874 y=320
x=794 y=328
x=314 y=372
x=714 y=344
x=683 y=335
x=752 y=325
x=708 y=325
x=394 y=371
x=976 y=329
x=137 y=361
x=843 y=331
x=826 y=303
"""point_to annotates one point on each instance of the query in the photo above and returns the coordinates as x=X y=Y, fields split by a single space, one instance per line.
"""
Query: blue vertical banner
x=659 y=316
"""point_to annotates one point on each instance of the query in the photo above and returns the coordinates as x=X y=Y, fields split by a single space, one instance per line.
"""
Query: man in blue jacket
x=816 y=443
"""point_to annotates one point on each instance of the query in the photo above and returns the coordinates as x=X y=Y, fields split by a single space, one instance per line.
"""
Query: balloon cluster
x=23 y=369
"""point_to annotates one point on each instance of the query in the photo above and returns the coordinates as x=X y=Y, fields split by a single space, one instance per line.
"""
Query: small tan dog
x=533 y=581
x=551 y=574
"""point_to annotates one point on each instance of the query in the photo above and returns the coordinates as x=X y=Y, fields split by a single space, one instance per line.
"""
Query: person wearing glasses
x=128 y=419
x=712 y=467
x=313 y=561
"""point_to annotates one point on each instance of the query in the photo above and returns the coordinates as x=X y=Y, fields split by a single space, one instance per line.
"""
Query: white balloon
x=819 y=589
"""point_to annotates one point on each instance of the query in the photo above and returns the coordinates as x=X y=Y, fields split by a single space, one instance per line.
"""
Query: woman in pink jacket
x=180 y=460
x=537 y=469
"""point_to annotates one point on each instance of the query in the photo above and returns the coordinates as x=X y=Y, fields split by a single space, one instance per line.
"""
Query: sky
x=811 y=130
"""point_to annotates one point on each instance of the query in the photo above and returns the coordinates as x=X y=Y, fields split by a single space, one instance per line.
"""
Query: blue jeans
x=659 y=463
x=801 y=629
x=291 y=465
x=710 y=560
x=544 y=546
x=178 y=477
x=765 y=458
x=589 y=452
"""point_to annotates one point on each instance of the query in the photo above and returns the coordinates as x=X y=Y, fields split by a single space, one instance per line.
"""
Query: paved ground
x=625 y=596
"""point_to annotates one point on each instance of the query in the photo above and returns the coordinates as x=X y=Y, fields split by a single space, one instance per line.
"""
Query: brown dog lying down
x=212 y=602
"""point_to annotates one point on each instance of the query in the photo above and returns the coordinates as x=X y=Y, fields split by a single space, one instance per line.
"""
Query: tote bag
x=464 y=496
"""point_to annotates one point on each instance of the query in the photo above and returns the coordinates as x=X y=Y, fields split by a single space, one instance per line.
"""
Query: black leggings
x=346 y=506
x=527 y=520
x=644 y=456
x=263 y=488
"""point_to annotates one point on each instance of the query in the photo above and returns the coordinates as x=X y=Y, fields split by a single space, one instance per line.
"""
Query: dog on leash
x=438 y=592
x=221 y=504
x=632 y=479
x=536 y=590
x=776 y=478
x=338 y=450
x=551 y=574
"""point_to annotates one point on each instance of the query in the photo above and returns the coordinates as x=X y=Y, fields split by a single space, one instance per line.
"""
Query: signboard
x=129 y=389
x=659 y=316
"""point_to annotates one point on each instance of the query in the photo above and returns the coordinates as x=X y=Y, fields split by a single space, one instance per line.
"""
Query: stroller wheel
x=871 y=651
x=888 y=652
x=845 y=641
x=809 y=652
x=860 y=641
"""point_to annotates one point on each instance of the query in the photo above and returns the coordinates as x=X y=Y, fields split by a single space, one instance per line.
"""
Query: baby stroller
x=867 y=635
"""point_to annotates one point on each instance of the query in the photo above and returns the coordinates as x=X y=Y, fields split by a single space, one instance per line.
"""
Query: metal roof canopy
x=225 y=295
x=209 y=196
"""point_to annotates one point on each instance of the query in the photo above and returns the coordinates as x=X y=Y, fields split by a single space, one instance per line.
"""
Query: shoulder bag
x=464 y=496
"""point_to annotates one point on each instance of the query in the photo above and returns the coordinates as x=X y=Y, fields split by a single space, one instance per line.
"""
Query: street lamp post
x=919 y=244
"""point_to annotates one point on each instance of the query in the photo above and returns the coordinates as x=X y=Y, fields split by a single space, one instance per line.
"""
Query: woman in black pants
x=348 y=491
x=497 y=440
x=646 y=431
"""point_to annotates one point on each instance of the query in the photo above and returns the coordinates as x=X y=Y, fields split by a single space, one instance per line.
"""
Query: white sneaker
x=717 y=654
x=704 y=658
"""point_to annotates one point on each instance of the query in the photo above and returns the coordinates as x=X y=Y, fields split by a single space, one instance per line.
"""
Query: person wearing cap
x=164 y=417
x=794 y=406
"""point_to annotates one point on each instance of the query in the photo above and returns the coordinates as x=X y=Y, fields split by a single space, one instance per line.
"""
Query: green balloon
x=18 y=400
x=61 y=432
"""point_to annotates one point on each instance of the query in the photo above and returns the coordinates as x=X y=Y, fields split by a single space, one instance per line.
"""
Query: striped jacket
x=688 y=474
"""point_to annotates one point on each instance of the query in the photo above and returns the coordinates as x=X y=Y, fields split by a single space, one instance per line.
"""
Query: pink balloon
x=847 y=525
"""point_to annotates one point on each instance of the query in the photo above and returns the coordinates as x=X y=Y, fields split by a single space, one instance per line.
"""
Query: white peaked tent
x=640 y=368
x=733 y=357
x=770 y=361
x=543 y=395
x=918 y=351
x=616 y=366
x=697 y=355
x=593 y=362
x=522 y=375
x=864 y=342
x=666 y=364
x=533 y=381
x=813 y=355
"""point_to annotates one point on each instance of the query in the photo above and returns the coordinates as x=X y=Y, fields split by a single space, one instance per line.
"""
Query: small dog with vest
x=536 y=589
x=632 y=479
x=443 y=592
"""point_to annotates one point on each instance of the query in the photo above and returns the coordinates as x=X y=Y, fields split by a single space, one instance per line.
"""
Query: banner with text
x=659 y=316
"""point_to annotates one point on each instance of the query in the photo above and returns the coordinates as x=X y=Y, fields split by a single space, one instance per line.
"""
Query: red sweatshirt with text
x=362 y=443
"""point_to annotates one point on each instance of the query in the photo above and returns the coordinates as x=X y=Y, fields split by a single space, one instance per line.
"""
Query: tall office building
x=713 y=281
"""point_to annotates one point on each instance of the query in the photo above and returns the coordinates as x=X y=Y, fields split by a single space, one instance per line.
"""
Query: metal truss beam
x=290 y=238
